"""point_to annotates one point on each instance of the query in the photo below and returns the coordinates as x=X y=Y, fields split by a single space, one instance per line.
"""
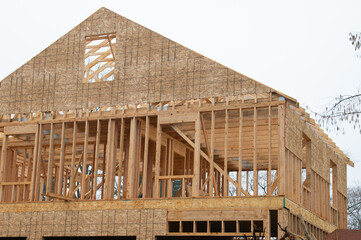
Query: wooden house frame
x=157 y=141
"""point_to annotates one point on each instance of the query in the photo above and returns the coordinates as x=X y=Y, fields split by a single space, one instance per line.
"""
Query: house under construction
x=117 y=132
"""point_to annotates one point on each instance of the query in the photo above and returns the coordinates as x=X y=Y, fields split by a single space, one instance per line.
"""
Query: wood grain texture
x=148 y=68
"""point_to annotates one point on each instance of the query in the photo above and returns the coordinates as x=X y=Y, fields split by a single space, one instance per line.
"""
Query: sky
x=300 y=48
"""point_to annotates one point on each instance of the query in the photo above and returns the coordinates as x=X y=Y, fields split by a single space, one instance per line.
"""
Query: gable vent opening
x=99 y=60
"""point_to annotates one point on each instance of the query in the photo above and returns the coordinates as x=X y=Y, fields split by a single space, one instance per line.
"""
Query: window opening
x=173 y=226
x=216 y=226
x=230 y=226
x=306 y=160
x=187 y=226
x=99 y=58
x=245 y=226
x=201 y=226
x=258 y=226
x=333 y=183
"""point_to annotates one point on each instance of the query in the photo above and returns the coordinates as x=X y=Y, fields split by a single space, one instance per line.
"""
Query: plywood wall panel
x=149 y=68
x=321 y=153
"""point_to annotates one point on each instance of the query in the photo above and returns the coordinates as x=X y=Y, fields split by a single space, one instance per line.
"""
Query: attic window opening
x=99 y=60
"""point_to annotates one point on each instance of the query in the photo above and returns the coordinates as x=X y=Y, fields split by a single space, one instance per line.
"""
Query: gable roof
x=148 y=68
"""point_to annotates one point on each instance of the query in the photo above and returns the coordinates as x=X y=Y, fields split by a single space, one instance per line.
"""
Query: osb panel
x=149 y=68
x=143 y=223
x=321 y=153
x=309 y=216
x=170 y=204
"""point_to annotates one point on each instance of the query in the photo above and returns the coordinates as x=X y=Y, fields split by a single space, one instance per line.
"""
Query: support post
x=282 y=151
x=170 y=168
x=72 y=166
x=225 y=179
x=50 y=161
x=96 y=160
x=255 y=170
x=239 y=177
x=85 y=161
x=39 y=182
x=110 y=160
x=269 y=193
x=145 y=162
x=61 y=163
x=120 y=157
x=211 y=154
x=197 y=157
x=157 y=158
x=2 y=164
x=132 y=158
x=35 y=166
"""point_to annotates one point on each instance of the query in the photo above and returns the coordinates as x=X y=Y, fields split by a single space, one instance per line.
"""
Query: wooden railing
x=334 y=215
x=306 y=197
x=16 y=191
x=167 y=182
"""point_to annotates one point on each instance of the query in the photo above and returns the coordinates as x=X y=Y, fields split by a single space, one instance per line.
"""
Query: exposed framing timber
x=49 y=182
x=83 y=188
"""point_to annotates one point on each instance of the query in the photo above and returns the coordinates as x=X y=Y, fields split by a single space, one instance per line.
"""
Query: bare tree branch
x=354 y=207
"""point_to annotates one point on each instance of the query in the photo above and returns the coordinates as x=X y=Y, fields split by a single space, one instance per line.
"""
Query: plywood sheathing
x=149 y=68
x=185 y=99
x=322 y=151
x=142 y=223
x=139 y=217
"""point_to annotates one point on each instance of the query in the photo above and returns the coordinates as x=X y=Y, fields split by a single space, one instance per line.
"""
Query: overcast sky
x=300 y=48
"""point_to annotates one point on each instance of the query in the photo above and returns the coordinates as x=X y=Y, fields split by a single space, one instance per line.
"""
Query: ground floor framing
x=151 y=219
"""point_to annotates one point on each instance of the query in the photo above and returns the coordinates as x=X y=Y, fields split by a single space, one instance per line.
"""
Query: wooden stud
x=163 y=169
x=110 y=159
x=35 y=168
x=138 y=148
x=255 y=170
x=240 y=156
x=211 y=154
x=269 y=169
x=61 y=163
x=120 y=157
x=2 y=164
x=281 y=148
x=96 y=160
x=132 y=159
x=157 y=159
x=145 y=162
x=83 y=188
x=169 y=166
x=39 y=182
x=50 y=161
x=72 y=166
x=225 y=166
x=197 y=157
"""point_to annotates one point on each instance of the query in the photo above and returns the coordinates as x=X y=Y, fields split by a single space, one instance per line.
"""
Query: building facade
x=117 y=131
